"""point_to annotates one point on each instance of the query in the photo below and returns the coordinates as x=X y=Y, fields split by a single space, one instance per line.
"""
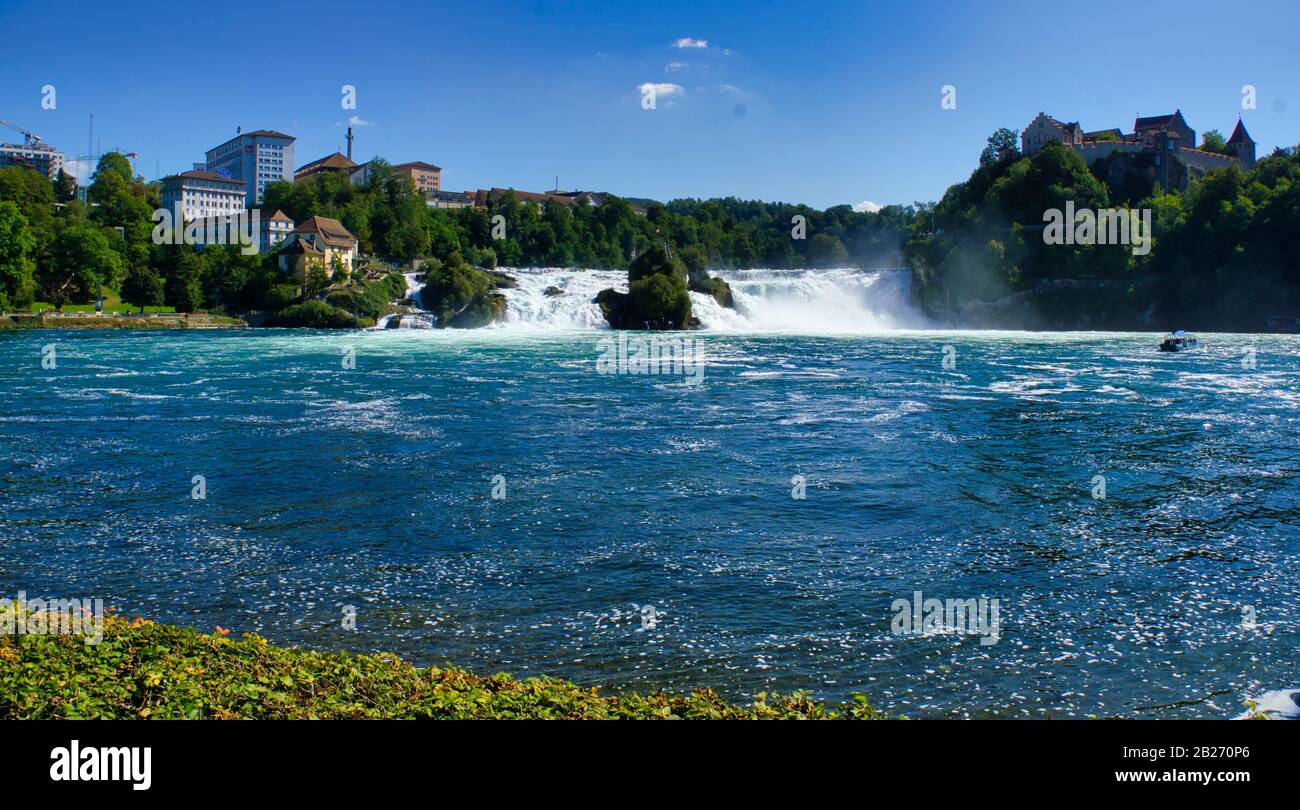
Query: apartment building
x=254 y=159
x=203 y=194
x=39 y=156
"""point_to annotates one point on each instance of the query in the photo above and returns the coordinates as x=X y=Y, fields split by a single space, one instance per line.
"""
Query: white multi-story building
x=273 y=230
x=202 y=194
x=254 y=159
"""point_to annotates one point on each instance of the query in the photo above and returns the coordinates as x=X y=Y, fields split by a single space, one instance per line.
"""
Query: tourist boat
x=1179 y=341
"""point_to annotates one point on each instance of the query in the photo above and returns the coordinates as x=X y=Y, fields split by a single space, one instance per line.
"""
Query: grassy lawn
x=113 y=304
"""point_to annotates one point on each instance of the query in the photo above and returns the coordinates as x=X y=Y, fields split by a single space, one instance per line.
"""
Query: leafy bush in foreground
x=148 y=670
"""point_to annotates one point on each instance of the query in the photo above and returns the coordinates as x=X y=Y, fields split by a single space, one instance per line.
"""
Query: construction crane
x=30 y=137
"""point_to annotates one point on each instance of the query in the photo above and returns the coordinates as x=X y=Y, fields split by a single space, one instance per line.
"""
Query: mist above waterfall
x=828 y=300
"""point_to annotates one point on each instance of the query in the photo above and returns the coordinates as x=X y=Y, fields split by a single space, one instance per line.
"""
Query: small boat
x=1179 y=341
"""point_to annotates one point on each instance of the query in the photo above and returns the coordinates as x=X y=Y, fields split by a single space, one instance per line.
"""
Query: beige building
x=1044 y=128
x=426 y=177
x=318 y=238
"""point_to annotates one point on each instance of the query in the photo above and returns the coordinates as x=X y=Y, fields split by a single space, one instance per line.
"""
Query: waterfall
x=801 y=301
x=558 y=298
x=832 y=300
x=417 y=320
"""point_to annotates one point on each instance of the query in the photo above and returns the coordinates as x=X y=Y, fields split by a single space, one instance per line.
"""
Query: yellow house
x=318 y=238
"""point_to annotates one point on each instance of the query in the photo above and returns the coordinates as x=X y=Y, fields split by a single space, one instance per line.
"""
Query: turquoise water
x=372 y=487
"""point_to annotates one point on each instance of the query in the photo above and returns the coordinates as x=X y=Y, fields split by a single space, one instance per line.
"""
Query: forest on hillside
x=1222 y=255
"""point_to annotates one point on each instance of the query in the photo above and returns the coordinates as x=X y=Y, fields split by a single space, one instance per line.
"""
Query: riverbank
x=168 y=321
x=145 y=670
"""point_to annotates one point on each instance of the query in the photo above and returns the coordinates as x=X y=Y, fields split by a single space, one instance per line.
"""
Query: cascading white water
x=417 y=320
x=570 y=303
x=842 y=299
x=831 y=300
x=413 y=286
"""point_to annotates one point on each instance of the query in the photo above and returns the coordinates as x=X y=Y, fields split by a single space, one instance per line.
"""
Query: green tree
x=143 y=288
x=338 y=268
x=1002 y=143
x=658 y=300
x=33 y=193
x=17 y=270
x=184 y=288
x=112 y=167
x=1212 y=140
x=83 y=261
x=65 y=190
x=826 y=249
x=315 y=278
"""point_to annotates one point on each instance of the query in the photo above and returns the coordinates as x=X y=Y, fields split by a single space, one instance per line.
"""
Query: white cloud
x=673 y=67
x=355 y=121
x=867 y=207
x=661 y=90
x=80 y=169
x=728 y=52
x=731 y=88
x=687 y=42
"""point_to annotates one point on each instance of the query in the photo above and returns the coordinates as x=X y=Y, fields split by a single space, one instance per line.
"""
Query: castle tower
x=1241 y=146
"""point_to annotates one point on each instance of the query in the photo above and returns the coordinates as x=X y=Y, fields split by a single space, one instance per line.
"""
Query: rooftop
x=256 y=133
x=1239 y=134
x=418 y=164
x=331 y=231
x=338 y=161
x=195 y=174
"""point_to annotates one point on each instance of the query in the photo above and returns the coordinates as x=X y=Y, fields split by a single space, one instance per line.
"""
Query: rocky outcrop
x=480 y=312
x=698 y=278
x=716 y=287
x=657 y=296
x=502 y=281
x=613 y=305
x=464 y=297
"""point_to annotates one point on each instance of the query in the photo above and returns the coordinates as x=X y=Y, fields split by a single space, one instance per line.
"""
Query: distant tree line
x=391 y=219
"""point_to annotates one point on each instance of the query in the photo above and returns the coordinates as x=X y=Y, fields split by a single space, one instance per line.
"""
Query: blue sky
x=822 y=103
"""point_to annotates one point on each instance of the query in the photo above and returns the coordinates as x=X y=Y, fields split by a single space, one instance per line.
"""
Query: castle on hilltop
x=1167 y=141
